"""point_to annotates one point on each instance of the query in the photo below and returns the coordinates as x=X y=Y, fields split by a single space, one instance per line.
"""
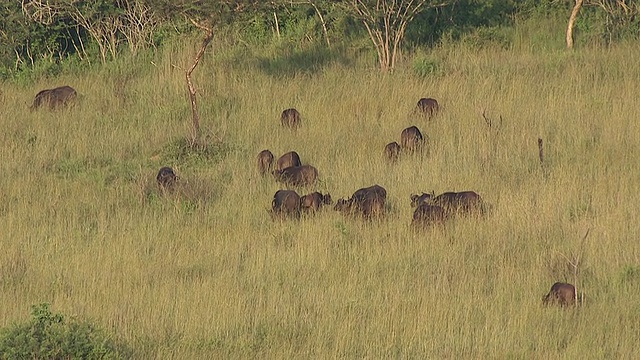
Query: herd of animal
x=368 y=202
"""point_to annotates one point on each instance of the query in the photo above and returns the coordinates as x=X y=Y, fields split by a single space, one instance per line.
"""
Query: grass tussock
x=203 y=271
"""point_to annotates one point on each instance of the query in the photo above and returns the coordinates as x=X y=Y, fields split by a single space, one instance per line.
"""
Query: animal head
x=416 y=199
x=343 y=205
x=166 y=177
x=277 y=173
x=313 y=201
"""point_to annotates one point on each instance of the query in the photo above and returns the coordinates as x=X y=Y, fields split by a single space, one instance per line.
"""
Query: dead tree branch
x=192 y=89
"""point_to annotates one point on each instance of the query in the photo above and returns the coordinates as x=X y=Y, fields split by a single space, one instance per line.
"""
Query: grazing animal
x=166 y=178
x=426 y=215
x=286 y=203
x=453 y=203
x=289 y=159
x=392 y=151
x=368 y=202
x=411 y=139
x=291 y=118
x=363 y=193
x=54 y=98
x=265 y=161
x=563 y=294
x=312 y=202
x=303 y=175
x=428 y=107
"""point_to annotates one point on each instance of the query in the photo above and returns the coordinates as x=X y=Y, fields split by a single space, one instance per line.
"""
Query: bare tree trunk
x=275 y=16
x=396 y=43
x=385 y=43
x=324 y=24
x=75 y=47
x=192 y=90
x=18 y=59
x=29 y=53
x=84 y=52
x=376 y=39
x=572 y=23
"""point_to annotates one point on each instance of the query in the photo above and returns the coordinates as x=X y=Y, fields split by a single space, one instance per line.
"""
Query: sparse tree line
x=35 y=31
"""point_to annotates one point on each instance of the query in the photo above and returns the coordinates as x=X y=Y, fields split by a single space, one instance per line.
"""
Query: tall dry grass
x=206 y=273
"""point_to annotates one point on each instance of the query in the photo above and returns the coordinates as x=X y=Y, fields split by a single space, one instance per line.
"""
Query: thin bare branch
x=192 y=89
x=386 y=23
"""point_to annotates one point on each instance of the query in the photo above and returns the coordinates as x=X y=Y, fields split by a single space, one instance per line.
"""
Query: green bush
x=50 y=336
x=424 y=66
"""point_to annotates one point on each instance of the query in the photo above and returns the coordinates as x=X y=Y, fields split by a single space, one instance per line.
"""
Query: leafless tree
x=103 y=28
x=617 y=13
x=134 y=22
x=137 y=24
x=192 y=89
x=386 y=23
x=204 y=15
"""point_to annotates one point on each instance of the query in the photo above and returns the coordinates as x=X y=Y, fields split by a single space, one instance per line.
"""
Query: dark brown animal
x=312 y=202
x=374 y=190
x=426 y=215
x=166 y=178
x=563 y=294
x=392 y=151
x=291 y=118
x=304 y=175
x=411 y=139
x=428 y=107
x=288 y=160
x=265 y=161
x=453 y=203
x=54 y=98
x=285 y=203
x=368 y=202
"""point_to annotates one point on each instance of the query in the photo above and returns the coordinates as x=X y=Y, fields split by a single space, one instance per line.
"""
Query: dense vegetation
x=206 y=273
x=51 y=336
x=54 y=37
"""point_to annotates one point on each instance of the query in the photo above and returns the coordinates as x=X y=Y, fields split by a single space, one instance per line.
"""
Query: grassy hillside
x=206 y=273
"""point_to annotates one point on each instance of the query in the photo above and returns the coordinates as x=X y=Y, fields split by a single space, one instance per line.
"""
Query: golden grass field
x=205 y=273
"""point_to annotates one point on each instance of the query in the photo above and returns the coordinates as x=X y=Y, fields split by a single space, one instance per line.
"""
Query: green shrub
x=50 y=336
x=630 y=275
x=425 y=66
